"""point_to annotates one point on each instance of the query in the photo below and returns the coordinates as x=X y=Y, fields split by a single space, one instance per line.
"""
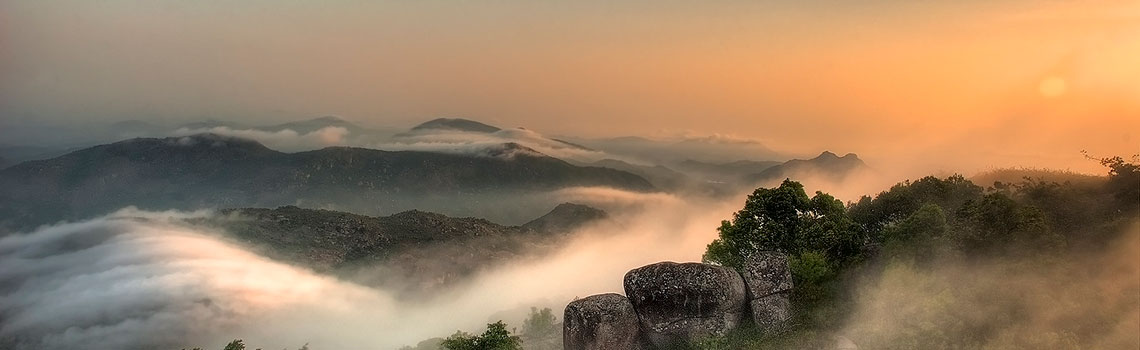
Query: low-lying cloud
x=1084 y=301
x=450 y=141
x=136 y=279
x=282 y=140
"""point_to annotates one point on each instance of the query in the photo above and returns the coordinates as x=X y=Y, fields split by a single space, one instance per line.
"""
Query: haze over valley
x=569 y=175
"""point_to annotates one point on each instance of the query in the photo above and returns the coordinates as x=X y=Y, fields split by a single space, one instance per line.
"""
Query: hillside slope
x=212 y=171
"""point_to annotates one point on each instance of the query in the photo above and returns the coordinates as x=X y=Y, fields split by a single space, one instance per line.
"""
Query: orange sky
x=956 y=86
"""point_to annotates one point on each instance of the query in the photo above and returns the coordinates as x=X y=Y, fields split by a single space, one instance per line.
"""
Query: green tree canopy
x=785 y=219
x=541 y=330
x=496 y=337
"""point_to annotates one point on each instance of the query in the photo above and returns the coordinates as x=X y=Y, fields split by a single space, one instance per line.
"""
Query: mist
x=138 y=279
x=1091 y=295
x=283 y=140
x=913 y=88
x=147 y=279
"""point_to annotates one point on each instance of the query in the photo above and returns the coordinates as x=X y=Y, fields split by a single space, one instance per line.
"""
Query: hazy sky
x=1003 y=82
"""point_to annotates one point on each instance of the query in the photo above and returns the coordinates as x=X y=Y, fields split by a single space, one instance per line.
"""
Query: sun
x=1052 y=87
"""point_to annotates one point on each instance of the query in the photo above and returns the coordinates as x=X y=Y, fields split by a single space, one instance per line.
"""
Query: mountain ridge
x=412 y=252
x=209 y=170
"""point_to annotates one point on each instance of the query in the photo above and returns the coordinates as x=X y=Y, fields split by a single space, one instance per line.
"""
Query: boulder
x=771 y=313
x=600 y=322
x=679 y=304
x=769 y=283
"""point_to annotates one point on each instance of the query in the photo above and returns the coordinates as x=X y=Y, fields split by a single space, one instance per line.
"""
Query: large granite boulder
x=769 y=283
x=600 y=322
x=682 y=303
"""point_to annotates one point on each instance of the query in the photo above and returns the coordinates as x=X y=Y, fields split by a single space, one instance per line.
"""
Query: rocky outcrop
x=681 y=303
x=672 y=305
x=769 y=283
x=601 y=322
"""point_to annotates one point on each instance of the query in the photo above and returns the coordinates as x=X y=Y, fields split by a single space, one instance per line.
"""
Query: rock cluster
x=769 y=283
x=671 y=305
x=603 y=321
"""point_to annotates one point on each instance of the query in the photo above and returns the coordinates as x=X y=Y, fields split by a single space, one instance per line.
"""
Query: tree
x=785 y=219
x=919 y=236
x=1123 y=178
x=997 y=223
x=235 y=345
x=496 y=337
x=906 y=198
x=541 y=330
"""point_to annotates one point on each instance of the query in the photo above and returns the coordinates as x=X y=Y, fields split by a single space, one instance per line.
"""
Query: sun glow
x=1053 y=87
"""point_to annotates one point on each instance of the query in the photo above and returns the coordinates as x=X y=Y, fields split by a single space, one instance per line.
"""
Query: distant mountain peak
x=456 y=124
x=827 y=154
x=827 y=163
x=566 y=217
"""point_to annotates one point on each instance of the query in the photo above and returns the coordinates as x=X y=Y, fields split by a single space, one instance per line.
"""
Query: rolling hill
x=411 y=252
x=212 y=171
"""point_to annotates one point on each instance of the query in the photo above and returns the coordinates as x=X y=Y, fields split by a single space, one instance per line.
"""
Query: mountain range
x=826 y=166
x=214 y=171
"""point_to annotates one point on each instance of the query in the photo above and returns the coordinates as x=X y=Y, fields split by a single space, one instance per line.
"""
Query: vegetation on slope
x=947 y=264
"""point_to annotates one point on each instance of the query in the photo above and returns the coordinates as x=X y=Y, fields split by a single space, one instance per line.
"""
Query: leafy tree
x=812 y=272
x=235 y=345
x=785 y=219
x=1124 y=179
x=920 y=236
x=906 y=198
x=997 y=223
x=496 y=337
x=541 y=330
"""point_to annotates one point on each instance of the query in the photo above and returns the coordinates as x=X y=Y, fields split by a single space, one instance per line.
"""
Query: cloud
x=136 y=279
x=1089 y=298
x=450 y=141
x=282 y=140
x=143 y=280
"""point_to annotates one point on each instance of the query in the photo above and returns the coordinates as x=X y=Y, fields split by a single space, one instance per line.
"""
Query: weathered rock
x=771 y=313
x=767 y=273
x=769 y=283
x=600 y=322
x=680 y=303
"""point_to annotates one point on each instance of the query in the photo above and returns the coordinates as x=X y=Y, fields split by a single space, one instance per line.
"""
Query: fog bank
x=135 y=279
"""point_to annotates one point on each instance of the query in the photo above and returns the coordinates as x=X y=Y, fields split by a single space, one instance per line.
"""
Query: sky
x=953 y=85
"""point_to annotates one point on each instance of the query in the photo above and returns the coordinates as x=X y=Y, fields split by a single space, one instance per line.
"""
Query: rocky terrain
x=675 y=305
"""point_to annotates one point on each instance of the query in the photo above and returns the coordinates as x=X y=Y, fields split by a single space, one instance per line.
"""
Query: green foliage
x=997 y=223
x=1123 y=178
x=811 y=271
x=496 y=337
x=920 y=236
x=235 y=345
x=785 y=219
x=897 y=246
x=541 y=330
x=904 y=199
